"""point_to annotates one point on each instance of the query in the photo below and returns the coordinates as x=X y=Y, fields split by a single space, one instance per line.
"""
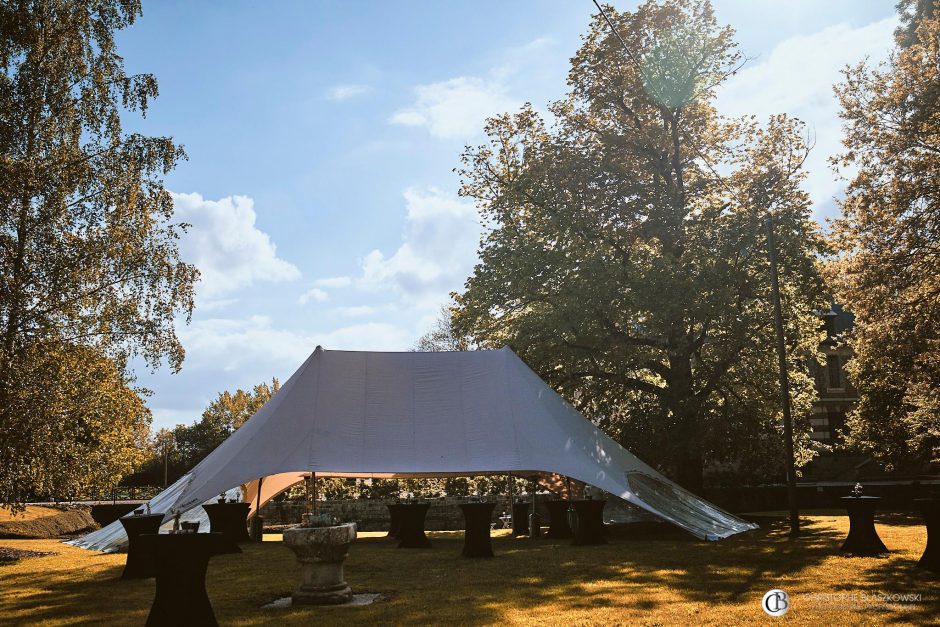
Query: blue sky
x=322 y=138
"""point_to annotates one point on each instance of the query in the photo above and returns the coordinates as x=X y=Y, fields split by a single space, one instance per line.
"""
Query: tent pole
x=535 y=526
x=256 y=530
x=316 y=495
x=512 y=519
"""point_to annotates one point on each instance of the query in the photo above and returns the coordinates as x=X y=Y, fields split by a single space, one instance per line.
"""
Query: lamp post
x=784 y=379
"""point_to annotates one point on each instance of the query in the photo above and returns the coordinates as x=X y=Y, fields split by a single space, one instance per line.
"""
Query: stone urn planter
x=321 y=552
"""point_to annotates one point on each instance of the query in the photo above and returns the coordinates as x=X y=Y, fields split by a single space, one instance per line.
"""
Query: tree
x=220 y=419
x=163 y=448
x=89 y=265
x=888 y=237
x=78 y=425
x=627 y=258
x=442 y=336
x=911 y=14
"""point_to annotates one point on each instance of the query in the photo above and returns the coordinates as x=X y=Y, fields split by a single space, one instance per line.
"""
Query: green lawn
x=642 y=577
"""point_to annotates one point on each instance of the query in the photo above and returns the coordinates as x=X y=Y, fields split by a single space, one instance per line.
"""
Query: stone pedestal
x=321 y=552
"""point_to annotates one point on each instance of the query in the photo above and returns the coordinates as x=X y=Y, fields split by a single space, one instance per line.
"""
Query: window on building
x=835 y=371
x=821 y=432
x=836 y=420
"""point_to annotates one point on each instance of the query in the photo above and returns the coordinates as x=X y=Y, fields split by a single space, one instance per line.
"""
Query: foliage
x=220 y=419
x=78 y=426
x=911 y=12
x=442 y=336
x=889 y=240
x=627 y=260
x=89 y=265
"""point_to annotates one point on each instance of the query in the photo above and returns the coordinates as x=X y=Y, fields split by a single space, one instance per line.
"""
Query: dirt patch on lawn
x=8 y=555
x=57 y=524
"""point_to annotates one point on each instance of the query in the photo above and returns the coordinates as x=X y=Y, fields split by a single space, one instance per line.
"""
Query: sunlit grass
x=30 y=513
x=641 y=577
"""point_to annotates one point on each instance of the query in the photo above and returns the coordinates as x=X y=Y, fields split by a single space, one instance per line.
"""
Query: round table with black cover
x=476 y=538
x=180 y=563
x=411 y=529
x=930 y=508
x=520 y=519
x=590 y=517
x=139 y=555
x=558 y=526
x=394 y=519
x=230 y=519
x=862 y=540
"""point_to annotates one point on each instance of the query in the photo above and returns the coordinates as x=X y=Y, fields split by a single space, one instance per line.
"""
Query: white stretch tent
x=414 y=414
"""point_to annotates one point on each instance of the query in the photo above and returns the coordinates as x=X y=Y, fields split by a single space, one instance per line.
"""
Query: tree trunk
x=689 y=470
x=686 y=408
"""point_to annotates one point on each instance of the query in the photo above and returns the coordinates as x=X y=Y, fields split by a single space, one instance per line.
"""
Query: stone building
x=836 y=394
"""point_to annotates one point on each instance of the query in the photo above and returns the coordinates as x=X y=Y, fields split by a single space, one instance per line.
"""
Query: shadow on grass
x=646 y=568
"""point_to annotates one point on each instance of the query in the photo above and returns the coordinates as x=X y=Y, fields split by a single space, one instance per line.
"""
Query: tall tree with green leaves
x=221 y=418
x=888 y=238
x=442 y=337
x=89 y=266
x=627 y=258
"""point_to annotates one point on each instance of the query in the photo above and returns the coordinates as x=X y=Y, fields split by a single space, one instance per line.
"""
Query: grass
x=45 y=522
x=31 y=513
x=658 y=577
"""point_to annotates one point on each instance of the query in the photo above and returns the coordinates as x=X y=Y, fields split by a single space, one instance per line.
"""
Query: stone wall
x=443 y=515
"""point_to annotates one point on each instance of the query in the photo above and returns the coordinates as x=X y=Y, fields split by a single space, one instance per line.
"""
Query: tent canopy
x=350 y=413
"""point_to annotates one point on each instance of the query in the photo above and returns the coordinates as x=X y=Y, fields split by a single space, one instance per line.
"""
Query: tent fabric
x=414 y=414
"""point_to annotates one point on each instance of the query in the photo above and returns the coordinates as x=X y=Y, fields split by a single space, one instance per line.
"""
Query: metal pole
x=535 y=524
x=512 y=515
x=784 y=381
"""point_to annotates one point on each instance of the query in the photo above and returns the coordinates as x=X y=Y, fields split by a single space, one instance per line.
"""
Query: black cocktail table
x=230 y=519
x=181 y=562
x=394 y=519
x=930 y=508
x=862 y=540
x=520 y=519
x=139 y=563
x=411 y=530
x=558 y=526
x=476 y=537
x=590 y=516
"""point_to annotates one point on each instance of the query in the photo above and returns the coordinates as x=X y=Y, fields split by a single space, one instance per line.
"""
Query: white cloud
x=226 y=354
x=340 y=93
x=255 y=343
x=797 y=78
x=315 y=294
x=439 y=250
x=227 y=247
x=371 y=336
x=229 y=344
x=356 y=311
x=336 y=281
x=522 y=57
x=456 y=108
